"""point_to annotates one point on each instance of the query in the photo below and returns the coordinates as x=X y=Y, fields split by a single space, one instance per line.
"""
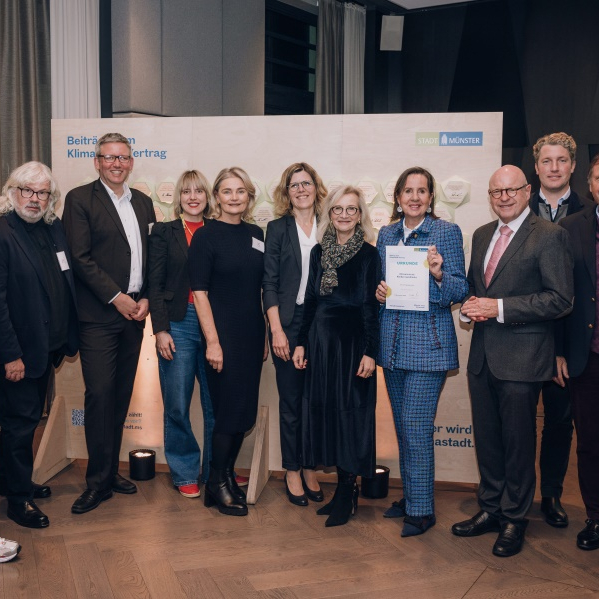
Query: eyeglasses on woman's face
x=295 y=187
x=349 y=210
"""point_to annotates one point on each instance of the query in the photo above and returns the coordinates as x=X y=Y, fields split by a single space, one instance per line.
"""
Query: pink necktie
x=500 y=245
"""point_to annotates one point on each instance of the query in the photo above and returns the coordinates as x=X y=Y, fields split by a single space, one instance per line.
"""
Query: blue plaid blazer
x=425 y=341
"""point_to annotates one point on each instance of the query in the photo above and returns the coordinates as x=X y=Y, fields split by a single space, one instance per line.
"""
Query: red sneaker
x=190 y=490
x=242 y=481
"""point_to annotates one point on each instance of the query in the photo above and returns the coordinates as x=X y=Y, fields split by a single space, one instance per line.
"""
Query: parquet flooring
x=158 y=544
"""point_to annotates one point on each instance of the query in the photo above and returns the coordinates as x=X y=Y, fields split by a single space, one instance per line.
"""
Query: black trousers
x=504 y=423
x=585 y=407
x=290 y=384
x=109 y=356
x=21 y=408
x=556 y=438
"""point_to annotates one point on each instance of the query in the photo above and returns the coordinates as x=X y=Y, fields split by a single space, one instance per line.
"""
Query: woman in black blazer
x=289 y=240
x=178 y=341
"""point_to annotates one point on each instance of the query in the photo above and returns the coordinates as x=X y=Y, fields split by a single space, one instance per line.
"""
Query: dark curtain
x=25 y=94
x=328 y=96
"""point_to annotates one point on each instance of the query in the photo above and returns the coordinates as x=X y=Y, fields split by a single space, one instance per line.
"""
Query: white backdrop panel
x=370 y=149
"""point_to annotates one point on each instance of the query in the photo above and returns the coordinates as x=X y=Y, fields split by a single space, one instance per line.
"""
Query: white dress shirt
x=131 y=225
x=306 y=245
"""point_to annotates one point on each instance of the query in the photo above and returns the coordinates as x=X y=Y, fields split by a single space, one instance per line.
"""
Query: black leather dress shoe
x=89 y=500
x=122 y=485
x=479 y=524
x=555 y=514
x=588 y=537
x=510 y=539
x=41 y=491
x=26 y=513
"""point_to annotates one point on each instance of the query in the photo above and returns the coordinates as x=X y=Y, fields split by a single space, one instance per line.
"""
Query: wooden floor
x=159 y=544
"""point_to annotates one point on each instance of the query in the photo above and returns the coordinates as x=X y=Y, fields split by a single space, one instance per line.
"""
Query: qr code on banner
x=77 y=417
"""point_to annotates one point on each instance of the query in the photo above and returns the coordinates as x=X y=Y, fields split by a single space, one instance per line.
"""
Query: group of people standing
x=209 y=277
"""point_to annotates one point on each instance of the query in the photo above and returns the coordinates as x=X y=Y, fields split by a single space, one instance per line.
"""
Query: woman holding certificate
x=226 y=263
x=337 y=345
x=418 y=345
x=178 y=342
x=289 y=240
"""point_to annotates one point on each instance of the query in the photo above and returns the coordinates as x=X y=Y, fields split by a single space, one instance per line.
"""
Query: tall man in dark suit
x=520 y=280
x=107 y=226
x=38 y=324
x=555 y=161
x=578 y=355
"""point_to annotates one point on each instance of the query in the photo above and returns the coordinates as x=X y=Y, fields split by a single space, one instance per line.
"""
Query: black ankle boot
x=235 y=489
x=217 y=493
x=327 y=508
x=345 y=501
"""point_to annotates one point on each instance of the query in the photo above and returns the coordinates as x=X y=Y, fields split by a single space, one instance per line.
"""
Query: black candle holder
x=142 y=464
x=376 y=487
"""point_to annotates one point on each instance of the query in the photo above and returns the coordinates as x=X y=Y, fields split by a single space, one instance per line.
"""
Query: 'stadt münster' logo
x=449 y=138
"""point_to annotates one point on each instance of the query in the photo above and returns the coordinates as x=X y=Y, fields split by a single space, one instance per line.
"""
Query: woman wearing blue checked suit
x=418 y=348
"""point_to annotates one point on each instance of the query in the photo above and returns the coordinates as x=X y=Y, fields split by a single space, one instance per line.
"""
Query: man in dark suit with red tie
x=578 y=355
x=520 y=280
x=107 y=226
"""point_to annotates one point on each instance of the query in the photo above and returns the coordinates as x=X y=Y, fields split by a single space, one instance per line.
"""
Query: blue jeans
x=176 y=381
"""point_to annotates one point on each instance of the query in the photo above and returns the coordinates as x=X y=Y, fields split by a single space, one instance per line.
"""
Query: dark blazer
x=100 y=250
x=576 y=203
x=282 y=267
x=534 y=279
x=168 y=275
x=24 y=299
x=579 y=325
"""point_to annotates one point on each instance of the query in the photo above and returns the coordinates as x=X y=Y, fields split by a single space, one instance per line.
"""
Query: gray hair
x=30 y=173
x=111 y=138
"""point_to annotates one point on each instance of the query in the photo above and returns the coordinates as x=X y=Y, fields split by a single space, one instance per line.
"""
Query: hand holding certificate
x=407 y=278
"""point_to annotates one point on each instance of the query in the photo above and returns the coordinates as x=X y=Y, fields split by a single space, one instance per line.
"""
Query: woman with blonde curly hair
x=226 y=263
x=289 y=240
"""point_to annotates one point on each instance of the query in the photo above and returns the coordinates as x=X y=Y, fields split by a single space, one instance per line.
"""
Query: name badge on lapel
x=257 y=244
x=62 y=260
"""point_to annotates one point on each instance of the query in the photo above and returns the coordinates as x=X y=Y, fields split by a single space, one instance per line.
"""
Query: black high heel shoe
x=316 y=496
x=300 y=500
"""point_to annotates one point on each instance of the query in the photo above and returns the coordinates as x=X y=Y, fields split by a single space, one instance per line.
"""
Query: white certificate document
x=407 y=278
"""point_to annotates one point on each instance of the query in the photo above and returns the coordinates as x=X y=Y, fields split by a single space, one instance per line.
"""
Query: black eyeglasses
x=512 y=192
x=305 y=184
x=109 y=158
x=43 y=195
x=350 y=210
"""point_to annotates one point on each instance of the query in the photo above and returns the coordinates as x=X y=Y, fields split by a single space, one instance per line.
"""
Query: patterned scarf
x=335 y=255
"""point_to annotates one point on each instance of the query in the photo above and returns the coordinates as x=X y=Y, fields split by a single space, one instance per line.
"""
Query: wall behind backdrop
x=461 y=150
